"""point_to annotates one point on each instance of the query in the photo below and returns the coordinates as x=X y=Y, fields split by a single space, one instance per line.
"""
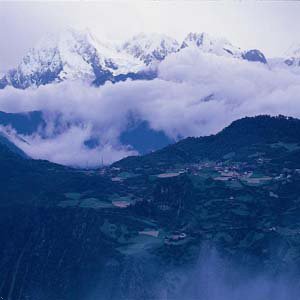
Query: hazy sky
x=271 y=26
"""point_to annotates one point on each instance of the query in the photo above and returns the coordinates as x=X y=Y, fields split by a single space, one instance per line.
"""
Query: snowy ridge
x=206 y=43
x=293 y=56
x=221 y=47
x=73 y=55
x=150 y=48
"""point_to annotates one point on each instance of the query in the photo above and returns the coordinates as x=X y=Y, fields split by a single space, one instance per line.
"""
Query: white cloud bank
x=195 y=94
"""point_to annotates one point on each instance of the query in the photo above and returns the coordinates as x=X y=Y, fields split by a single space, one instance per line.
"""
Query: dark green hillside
x=27 y=181
x=237 y=141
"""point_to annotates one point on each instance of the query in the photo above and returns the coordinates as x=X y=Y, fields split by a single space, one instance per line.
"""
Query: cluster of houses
x=175 y=238
x=241 y=171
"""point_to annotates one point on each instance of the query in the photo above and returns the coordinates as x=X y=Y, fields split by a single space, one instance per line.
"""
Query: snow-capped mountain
x=73 y=55
x=70 y=55
x=221 y=47
x=150 y=48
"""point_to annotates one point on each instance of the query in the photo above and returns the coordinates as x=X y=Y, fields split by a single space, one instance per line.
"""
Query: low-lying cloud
x=213 y=275
x=217 y=278
x=195 y=94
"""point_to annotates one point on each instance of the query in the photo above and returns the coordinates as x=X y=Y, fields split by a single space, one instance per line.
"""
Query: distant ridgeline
x=137 y=134
x=239 y=140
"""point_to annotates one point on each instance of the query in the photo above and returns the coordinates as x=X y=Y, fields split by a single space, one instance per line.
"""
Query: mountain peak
x=201 y=39
x=150 y=48
x=219 y=46
x=265 y=126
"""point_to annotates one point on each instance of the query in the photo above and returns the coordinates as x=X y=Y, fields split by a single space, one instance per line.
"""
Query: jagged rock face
x=3 y=82
x=39 y=66
x=254 y=55
x=150 y=48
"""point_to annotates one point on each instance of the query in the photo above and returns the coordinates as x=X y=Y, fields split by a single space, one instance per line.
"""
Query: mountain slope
x=7 y=147
x=26 y=181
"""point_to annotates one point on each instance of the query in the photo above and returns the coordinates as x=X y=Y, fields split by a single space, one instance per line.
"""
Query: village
x=254 y=173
